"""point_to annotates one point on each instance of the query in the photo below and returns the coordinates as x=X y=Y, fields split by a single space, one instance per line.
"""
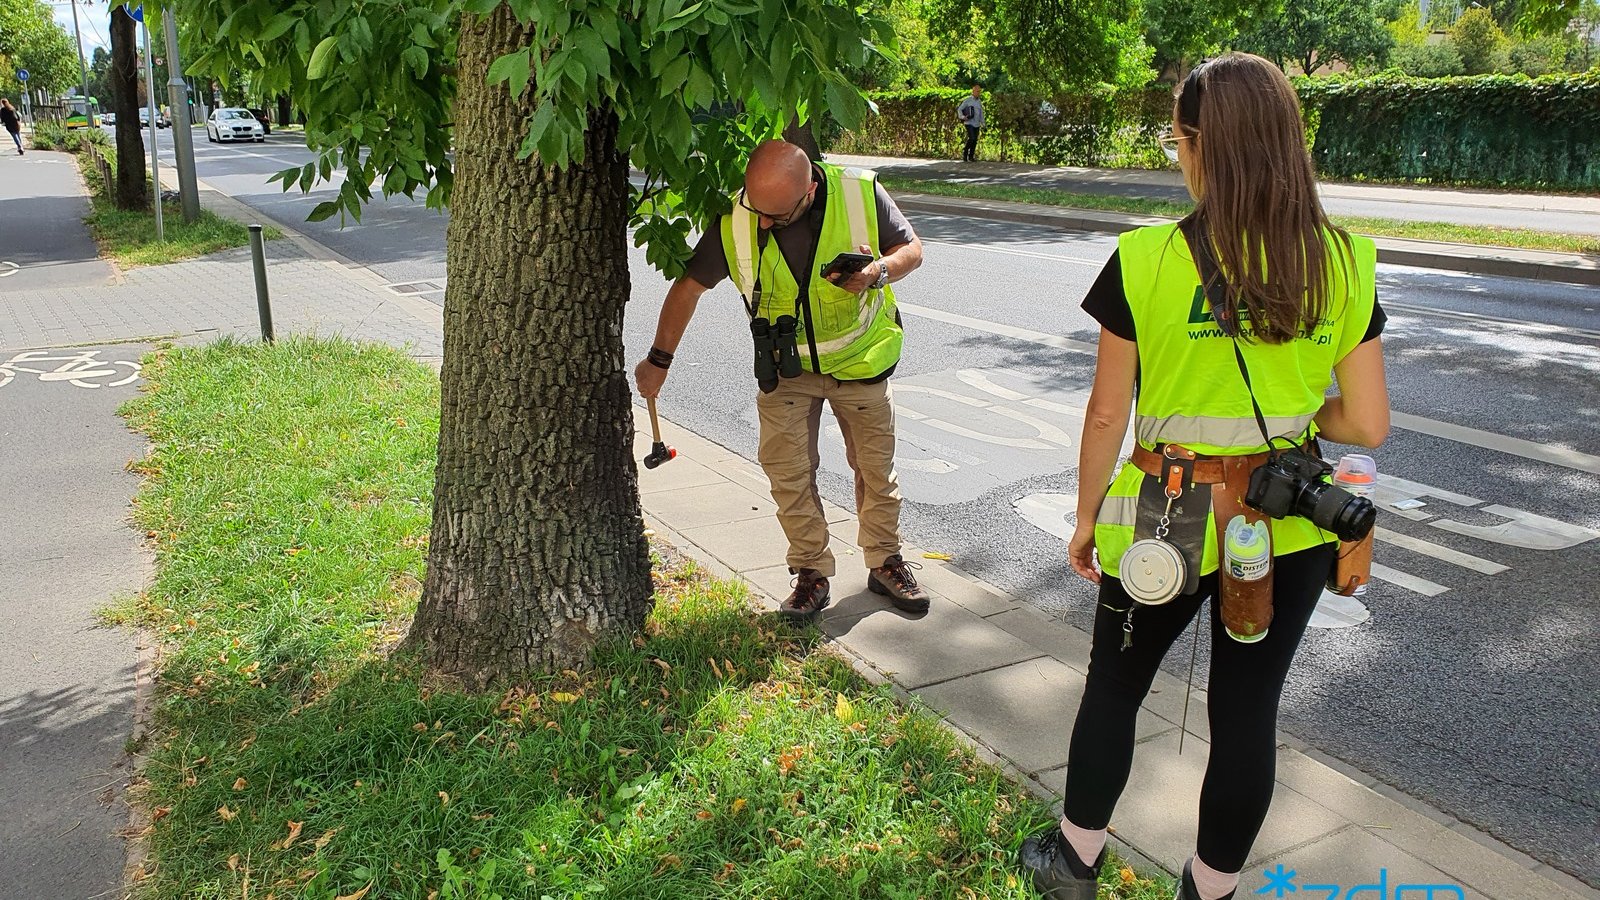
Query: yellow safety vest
x=849 y=336
x=1190 y=389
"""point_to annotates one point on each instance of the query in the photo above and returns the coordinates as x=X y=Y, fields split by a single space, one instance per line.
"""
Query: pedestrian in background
x=970 y=112
x=1208 y=394
x=792 y=218
x=8 y=118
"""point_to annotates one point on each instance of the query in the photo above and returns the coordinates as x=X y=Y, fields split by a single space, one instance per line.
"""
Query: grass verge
x=1484 y=235
x=718 y=754
x=129 y=236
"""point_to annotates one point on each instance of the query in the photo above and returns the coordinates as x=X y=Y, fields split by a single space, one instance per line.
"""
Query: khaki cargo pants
x=791 y=423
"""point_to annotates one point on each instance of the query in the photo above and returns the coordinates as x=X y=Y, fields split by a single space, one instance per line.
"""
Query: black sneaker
x=894 y=580
x=1056 y=870
x=1186 y=888
x=810 y=595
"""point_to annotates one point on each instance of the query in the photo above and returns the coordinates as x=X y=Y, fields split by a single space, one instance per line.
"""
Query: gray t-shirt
x=976 y=106
x=796 y=241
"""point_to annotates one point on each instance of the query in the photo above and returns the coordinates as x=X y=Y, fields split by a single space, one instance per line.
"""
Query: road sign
x=22 y=74
x=137 y=14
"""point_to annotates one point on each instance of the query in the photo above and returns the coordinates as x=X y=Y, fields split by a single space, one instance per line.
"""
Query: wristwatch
x=883 y=276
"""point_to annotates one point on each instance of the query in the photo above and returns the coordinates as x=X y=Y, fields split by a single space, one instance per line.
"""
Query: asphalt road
x=42 y=240
x=1470 y=683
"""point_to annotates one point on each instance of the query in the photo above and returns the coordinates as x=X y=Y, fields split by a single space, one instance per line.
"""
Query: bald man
x=792 y=219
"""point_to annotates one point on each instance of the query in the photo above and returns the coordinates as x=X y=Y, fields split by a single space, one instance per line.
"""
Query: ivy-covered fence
x=1488 y=130
x=1485 y=130
x=1115 y=129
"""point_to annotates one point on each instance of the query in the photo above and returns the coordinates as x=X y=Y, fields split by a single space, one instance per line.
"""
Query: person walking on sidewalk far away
x=970 y=112
x=1224 y=366
x=791 y=219
x=8 y=118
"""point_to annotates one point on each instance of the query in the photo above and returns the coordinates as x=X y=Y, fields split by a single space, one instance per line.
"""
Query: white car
x=234 y=124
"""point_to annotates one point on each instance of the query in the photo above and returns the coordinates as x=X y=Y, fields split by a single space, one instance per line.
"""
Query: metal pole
x=182 y=135
x=258 y=257
x=150 y=101
x=83 y=68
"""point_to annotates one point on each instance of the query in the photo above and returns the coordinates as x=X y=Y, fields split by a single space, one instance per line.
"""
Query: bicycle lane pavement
x=67 y=685
x=43 y=241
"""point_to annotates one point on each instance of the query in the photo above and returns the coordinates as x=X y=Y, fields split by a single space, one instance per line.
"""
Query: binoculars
x=777 y=351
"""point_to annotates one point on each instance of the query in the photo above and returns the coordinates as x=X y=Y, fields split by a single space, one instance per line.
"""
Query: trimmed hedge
x=1503 y=130
x=1487 y=129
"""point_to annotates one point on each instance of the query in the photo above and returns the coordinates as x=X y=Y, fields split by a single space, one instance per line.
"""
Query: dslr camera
x=777 y=351
x=1293 y=483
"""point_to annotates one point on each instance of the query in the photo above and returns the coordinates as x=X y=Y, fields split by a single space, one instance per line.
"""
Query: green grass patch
x=718 y=754
x=1484 y=235
x=129 y=236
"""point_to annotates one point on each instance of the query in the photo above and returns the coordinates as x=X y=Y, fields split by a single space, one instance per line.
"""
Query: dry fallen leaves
x=1127 y=875
x=160 y=812
x=738 y=806
x=233 y=863
x=358 y=894
x=444 y=799
x=227 y=814
x=326 y=837
x=294 y=835
x=240 y=785
x=563 y=697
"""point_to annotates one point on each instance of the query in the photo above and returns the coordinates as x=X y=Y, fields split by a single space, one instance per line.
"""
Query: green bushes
x=1491 y=129
x=49 y=135
x=1102 y=128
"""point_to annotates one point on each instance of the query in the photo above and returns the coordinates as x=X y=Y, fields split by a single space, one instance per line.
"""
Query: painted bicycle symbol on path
x=81 y=369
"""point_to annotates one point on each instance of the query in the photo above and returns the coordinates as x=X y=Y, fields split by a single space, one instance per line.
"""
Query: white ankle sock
x=1087 y=843
x=1211 y=884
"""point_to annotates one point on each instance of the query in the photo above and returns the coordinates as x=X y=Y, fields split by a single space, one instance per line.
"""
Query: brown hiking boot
x=894 y=580
x=810 y=595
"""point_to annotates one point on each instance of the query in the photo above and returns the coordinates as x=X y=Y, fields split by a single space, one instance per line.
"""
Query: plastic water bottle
x=1246 y=593
x=1359 y=475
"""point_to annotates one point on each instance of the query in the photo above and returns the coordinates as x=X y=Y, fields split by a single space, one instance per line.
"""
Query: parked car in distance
x=144 y=118
x=234 y=124
x=109 y=118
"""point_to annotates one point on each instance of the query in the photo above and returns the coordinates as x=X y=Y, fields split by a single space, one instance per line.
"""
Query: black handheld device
x=846 y=264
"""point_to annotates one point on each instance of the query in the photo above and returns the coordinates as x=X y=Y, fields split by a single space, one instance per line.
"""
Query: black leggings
x=1246 y=682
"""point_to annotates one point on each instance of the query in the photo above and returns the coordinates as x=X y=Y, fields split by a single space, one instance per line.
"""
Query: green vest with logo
x=849 y=336
x=1191 y=391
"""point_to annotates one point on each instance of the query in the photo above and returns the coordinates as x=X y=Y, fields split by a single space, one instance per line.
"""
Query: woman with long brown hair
x=1221 y=374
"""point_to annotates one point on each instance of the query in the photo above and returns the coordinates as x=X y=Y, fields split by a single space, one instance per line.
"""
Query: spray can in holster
x=1352 y=569
x=1246 y=579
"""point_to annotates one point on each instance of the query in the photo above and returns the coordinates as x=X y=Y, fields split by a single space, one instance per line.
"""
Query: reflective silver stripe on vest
x=1115 y=510
x=855 y=206
x=1217 y=430
x=744 y=256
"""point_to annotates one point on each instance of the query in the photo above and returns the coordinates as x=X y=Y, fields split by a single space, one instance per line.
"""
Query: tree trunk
x=124 y=77
x=803 y=137
x=538 y=549
x=283 y=110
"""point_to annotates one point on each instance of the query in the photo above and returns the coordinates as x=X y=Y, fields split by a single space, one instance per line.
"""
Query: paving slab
x=1024 y=711
x=1361 y=864
x=1159 y=809
x=947 y=642
x=717 y=503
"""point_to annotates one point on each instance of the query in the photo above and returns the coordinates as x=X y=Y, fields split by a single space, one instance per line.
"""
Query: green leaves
x=512 y=67
x=322 y=58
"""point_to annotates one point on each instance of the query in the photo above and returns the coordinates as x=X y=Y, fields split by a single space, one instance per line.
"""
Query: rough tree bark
x=538 y=549
x=283 y=110
x=804 y=137
x=130 y=190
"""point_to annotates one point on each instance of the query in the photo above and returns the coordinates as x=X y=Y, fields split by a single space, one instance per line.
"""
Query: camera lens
x=1334 y=509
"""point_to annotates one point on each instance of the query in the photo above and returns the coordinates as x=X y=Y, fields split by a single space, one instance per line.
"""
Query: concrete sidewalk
x=1009 y=677
x=1573 y=268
